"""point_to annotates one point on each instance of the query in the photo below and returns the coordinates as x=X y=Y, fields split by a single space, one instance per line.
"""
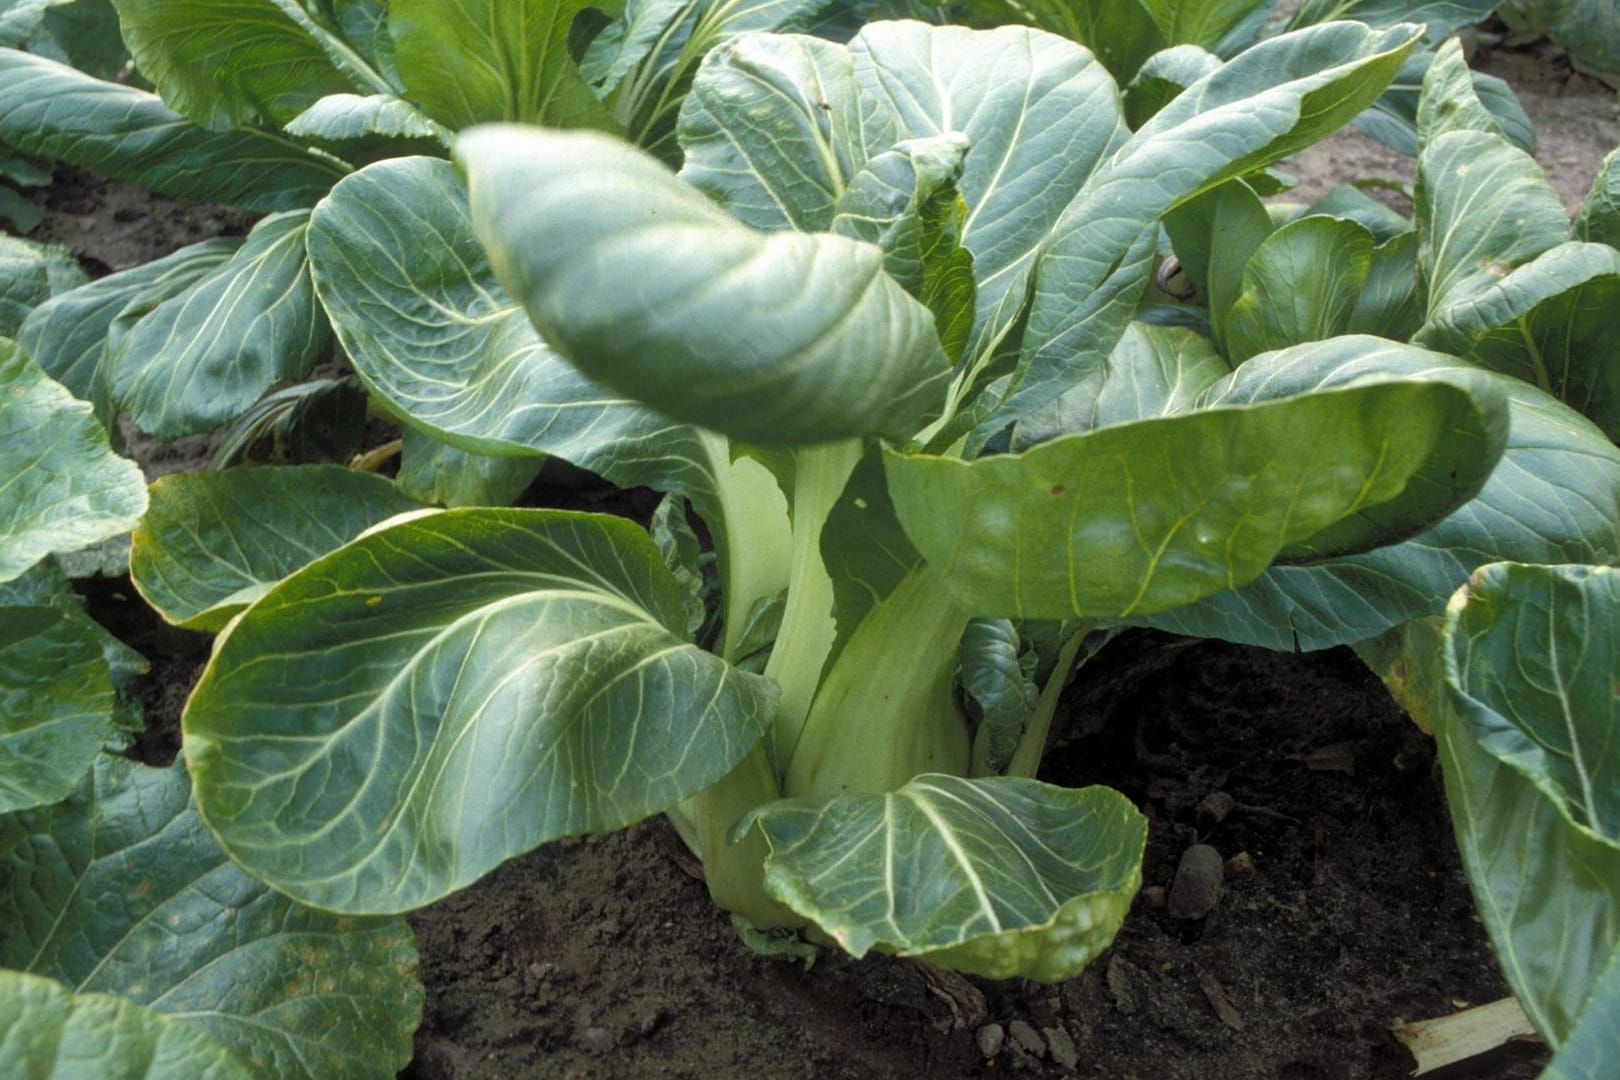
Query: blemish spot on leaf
x=1057 y=489
x=373 y=601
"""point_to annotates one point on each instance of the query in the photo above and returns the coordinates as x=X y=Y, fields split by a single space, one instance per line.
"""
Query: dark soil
x=1342 y=912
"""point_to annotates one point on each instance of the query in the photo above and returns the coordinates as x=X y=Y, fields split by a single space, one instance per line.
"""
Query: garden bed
x=1343 y=910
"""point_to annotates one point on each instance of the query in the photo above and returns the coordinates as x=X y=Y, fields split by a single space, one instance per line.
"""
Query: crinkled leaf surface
x=1532 y=771
x=1140 y=517
x=1549 y=322
x=52 y=111
x=484 y=62
x=229 y=63
x=1268 y=102
x=650 y=288
x=211 y=543
x=202 y=357
x=48 y=1033
x=63 y=487
x=398 y=717
x=56 y=704
x=122 y=890
x=998 y=877
x=1553 y=498
x=67 y=335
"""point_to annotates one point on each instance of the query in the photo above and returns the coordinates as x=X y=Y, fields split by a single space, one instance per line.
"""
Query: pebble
x=1197 y=886
x=991 y=1037
x=1063 y=1051
x=597 y=1040
x=1025 y=1036
x=1215 y=808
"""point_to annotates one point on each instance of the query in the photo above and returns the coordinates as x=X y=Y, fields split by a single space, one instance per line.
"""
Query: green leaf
x=1162 y=77
x=1598 y=221
x=1553 y=498
x=1140 y=517
x=1449 y=101
x=31 y=274
x=1484 y=207
x=381 y=119
x=202 y=357
x=47 y=1033
x=997 y=877
x=417 y=308
x=1122 y=33
x=435 y=472
x=1270 y=101
x=906 y=202
x=67 y=335
x=1389 y=306
x=996 y=678
x=212 y=543
x=1214 y=237
x=50 y=110
x=467 y=63
x=768 y=337
x=1393 y=118
x=1439 y=17
x=56 y=704
x=122 y=890
x=1533 y=777
x=64 y=487
x=402 y=715
x=1303 y=283
x=1550 y=323
x=1585 y=28
x=228 y=63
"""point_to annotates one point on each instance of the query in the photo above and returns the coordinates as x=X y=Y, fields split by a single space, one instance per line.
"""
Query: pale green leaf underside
x=340 y=117
x=61 y=486
x=400 y=716
x=56 y=704
x=211 y=543
x=776 y=338
x=49 y=110
x=1143 y=516
x=48 y=1033
x=122 y=890
x=998 y=877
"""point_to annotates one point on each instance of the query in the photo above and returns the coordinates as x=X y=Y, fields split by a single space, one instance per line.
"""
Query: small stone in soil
x=1198 y=883
x=1027 y=1037
x=597 y=1040
x=1215 y=807
x=1063 y=1051
x=991 y=1038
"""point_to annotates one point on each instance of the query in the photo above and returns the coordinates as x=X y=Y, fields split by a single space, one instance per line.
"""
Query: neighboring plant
x=1589 y=30
x=819 y=336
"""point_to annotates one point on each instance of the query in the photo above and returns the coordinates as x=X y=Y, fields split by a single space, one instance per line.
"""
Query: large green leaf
x=646 y=285
x=64 y=488
x=1268 y=102
x=1554 y=497
x=202 y=357
x=469 y=62
x=56 y=704
x=31 y=274
x=418 y=310
x=1589 y=30
x=436 y=472
x=212 y=543
x=122 y=890
x=998 y=877
x=1484 y=208
x=67 y=335
x=48 y=1033
x=229 y=63
x=50 y=110
x=400 y=716
x=1549 y=322
x=1532 y=769
x=1599 y=219
x=1136 y=518
x=1440 y=17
